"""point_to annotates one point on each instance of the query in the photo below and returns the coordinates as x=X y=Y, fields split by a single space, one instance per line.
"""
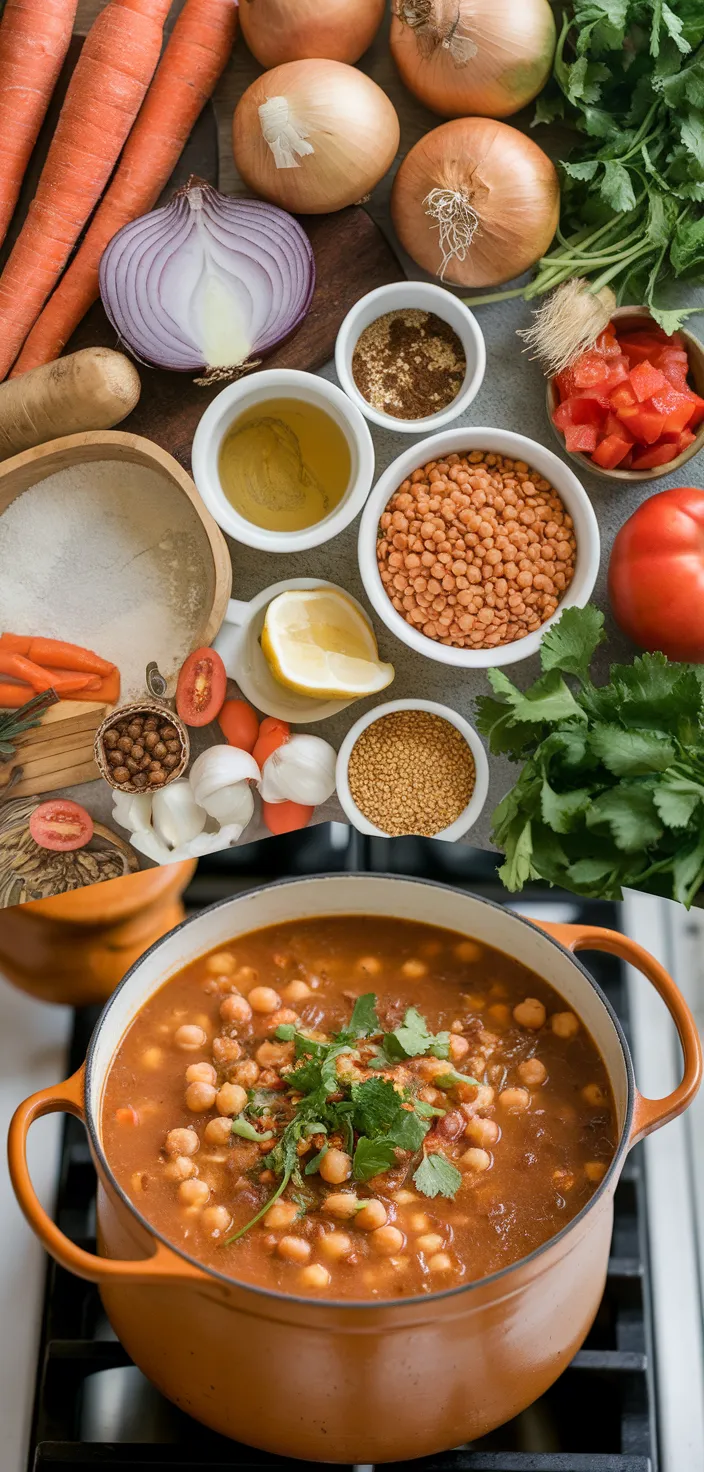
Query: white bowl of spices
x=411 y=356
x=412 y=767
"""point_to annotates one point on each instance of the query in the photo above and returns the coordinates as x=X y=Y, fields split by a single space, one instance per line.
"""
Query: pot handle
x=162 y=1266
x=649 y=1114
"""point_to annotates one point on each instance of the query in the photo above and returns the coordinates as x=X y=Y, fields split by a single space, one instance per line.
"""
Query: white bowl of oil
x=283 y=460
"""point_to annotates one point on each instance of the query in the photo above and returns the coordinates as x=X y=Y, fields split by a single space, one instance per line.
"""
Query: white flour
x=108 y=555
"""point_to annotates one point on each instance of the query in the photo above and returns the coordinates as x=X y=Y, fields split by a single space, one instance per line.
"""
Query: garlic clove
x=221 y=766
x=176 y=817
x=231 y=804
x=132 y=810
x=213 y=843
x=146 y=842
x=303 y=770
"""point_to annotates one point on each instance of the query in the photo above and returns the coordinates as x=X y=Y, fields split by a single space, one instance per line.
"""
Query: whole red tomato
x=656 y=575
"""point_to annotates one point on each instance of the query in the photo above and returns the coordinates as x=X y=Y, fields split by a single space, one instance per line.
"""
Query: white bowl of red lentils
x=412 y=767
x=473 y=542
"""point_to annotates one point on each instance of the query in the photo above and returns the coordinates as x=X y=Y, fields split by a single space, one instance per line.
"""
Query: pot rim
x=363 y=1304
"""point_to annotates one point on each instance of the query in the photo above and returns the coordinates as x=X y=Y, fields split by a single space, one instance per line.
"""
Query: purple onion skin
x=271 y=247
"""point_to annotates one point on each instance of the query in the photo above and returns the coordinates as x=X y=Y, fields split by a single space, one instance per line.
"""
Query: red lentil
x=476 y=550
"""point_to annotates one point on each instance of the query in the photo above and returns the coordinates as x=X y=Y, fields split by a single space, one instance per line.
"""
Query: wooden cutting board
x=58 y=753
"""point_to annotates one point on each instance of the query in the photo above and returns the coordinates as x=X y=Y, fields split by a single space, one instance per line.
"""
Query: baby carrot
x=193 y=60
x=57 y=653
x=104 y=95
x=34 y=37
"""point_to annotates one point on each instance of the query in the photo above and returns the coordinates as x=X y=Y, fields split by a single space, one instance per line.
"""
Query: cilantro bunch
x=612 y=788
x=373 y=1118
x=628 y=77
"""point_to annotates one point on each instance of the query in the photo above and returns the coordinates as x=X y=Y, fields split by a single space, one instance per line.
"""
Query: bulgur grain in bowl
x=412 y=767
x=507 y=523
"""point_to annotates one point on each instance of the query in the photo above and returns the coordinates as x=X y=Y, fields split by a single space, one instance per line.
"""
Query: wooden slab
x=59 y=752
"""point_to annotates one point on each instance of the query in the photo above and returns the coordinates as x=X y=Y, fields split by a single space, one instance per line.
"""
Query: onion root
x=456 y=220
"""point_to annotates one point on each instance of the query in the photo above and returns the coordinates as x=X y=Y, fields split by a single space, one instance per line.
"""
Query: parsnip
x=92 y=389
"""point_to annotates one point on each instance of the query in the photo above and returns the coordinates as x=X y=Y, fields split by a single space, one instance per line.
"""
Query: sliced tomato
x=611 y=451
x=656 y=455
x=61 y=824
x=202 y=683
x=581 y=437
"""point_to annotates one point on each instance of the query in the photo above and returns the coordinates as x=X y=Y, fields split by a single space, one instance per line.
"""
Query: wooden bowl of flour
x=105 y=542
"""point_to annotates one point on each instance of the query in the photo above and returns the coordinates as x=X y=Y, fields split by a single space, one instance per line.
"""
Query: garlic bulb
x=132 y=810
x=176 y=817
x=220 y=767
x=303 y=770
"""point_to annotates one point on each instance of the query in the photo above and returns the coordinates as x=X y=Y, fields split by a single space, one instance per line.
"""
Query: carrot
x=108 y=691
x=34 y=38
x=22 y=669
x=185 y=78
x=55 y=652
x=104 y=95
x=13 y=696
x=65 y=684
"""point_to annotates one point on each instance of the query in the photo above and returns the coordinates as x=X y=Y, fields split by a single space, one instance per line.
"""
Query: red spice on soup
x=358 y=1107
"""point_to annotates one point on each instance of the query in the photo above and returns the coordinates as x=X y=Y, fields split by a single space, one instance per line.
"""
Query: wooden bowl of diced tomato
x=631 y=407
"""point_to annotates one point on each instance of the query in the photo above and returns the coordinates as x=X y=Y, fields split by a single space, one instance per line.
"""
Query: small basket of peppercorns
x=141 y=747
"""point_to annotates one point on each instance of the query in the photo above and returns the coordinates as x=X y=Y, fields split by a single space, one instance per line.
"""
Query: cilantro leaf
x=364 y=1022
x=449 y=1079
x=570 y=644
x=630 y=812
x=413 y=1039
x=314 y=1164
x=246 y=1131
x=616 y=187
x=562 y=810
x=409 y=1131
x=372 y=1157
x=377 y=1106
x=631 y=753
x=549 y=699
x=437 y=1176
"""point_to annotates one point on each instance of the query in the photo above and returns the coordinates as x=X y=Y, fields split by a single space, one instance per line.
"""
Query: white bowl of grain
x=364 y=769
x=412 y=296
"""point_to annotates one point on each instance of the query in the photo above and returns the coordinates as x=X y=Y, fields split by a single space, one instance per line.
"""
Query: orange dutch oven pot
x=355 y=1381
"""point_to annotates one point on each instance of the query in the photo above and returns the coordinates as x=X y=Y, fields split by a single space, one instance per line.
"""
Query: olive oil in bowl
x=285 y=464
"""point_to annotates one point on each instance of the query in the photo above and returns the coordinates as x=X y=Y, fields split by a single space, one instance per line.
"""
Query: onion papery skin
x=515 y=45
x=510 y=184
x=277 y=31
x=350 y=126
x=207 y=282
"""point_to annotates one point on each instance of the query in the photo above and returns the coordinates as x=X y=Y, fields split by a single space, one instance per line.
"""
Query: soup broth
x=394 y=1108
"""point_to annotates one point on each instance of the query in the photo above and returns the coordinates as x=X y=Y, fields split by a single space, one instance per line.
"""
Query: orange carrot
x=20 y=668
x=108 y=691
x=185 y=78
x=34 y=37
x=55 y=652
x=65 y=684
x=104 y=95
x=13 y=696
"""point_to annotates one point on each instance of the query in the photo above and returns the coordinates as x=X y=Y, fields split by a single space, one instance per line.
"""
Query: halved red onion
x=208 y=282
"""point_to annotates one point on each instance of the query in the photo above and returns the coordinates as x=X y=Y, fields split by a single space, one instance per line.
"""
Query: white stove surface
x=33 y=1044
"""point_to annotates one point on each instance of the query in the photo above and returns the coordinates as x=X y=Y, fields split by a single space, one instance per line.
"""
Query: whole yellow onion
x=294 y=30
x=476 y=202
x=314 y=136
x=487 y=58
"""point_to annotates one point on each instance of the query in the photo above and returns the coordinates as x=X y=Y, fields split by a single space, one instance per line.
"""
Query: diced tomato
x=645 y=424
x=611 y=451
x=698 y=411
x=581 y=437
x=618 y=371
x=646 y=380
x=640 y=345
x=614 y=425
x=588 y=408
x=590 y=369
x=677 y=408
x=656 y=455
x=606 y=343
x=623 y=396
x=562 y=415
x=565 y=384
x=687 y=438
x=674 y=366
x=627 y=461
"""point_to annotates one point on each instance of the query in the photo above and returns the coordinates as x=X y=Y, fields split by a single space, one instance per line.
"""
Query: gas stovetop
x=93 y=1408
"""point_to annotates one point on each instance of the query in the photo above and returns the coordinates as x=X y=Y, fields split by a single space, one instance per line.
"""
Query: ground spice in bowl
x=409 y=364
x=411 y=772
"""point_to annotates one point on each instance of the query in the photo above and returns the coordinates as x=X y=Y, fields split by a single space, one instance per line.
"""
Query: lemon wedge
x=318 y=642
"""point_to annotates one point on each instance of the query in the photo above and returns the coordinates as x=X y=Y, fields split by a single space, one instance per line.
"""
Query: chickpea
x=218 y=1131
x=216 y=1219
x=412 y=970
x=482 y=1132
x=440 y=1262
x=246 y=977
x=336 y=1167
x=468 y=950
x=483 y=1099
x=459 y=1048
x=370 y=965
x=189 y=1038
x=419 y=1222
x=180 y=1168
x=530 y=1013
x=387 y=1241
x=372 y=1215
x=343 y=1204
x=314 y=1276
x=294 y=1249
x=298 y=991
x=201 y=1073
x=476 y=1159
x=532 y=1073
x=282 y=1016
x=235 y=1010
x=336 y=1245
x=246 y=1073
x=193 y=1193
x=595 y=1170
x=271 y=1055
x=429 y=1242
x=152 y=1058
x=500 y=1013
x=405 y=1197
x=181 y=1142
x=226 y=1050
x=564 y=1024
x=281 y=1214
x=231 y=1099
x=514 y=1099
x=200 y=1097
x=222 y=963
x=264 y=999
x=593 y=1095
x=431 y=1096
x=430 y=1068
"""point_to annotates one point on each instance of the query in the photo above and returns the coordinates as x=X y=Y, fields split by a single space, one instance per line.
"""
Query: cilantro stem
x=278 y=1192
